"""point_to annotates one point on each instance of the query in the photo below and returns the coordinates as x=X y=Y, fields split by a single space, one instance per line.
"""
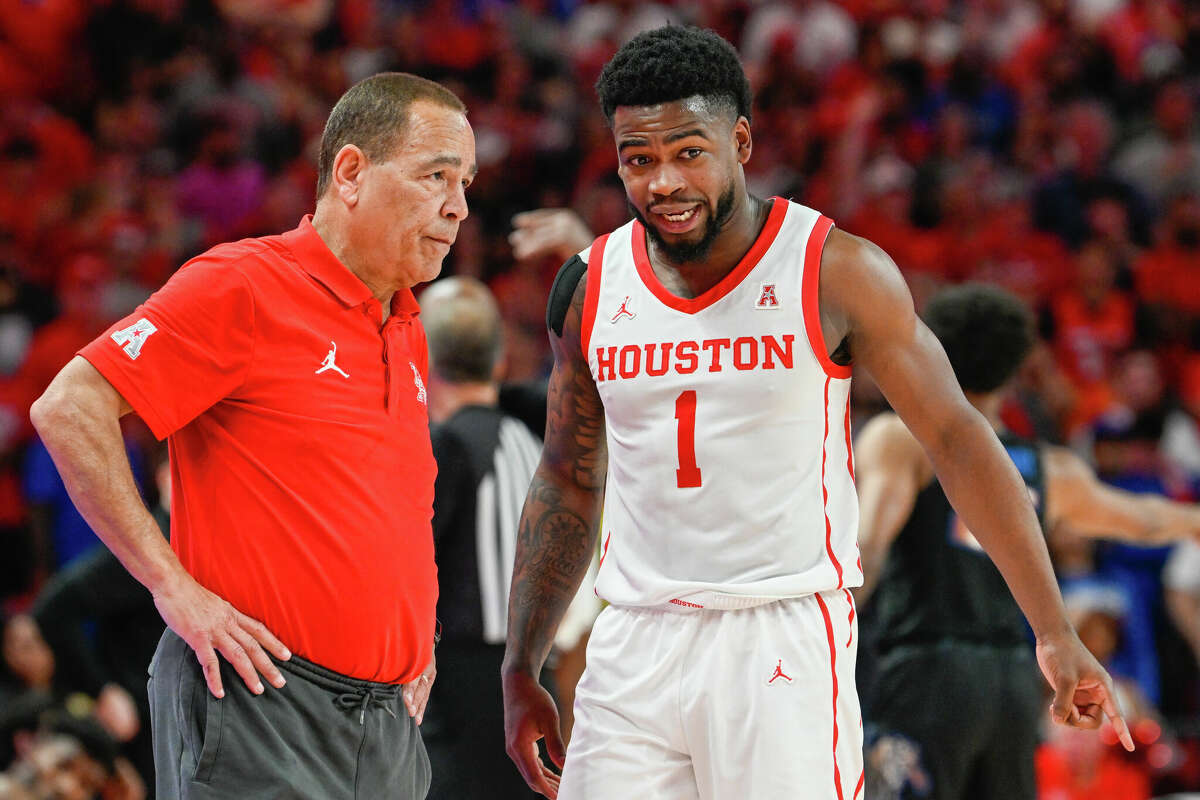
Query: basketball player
x=700 y=394
x=950 y=635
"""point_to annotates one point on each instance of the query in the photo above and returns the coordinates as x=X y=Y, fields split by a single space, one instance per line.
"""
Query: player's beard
x=693 y=252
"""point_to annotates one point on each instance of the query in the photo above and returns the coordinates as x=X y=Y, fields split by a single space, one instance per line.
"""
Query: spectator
x=1168 y=276
x=28 y=663
x=1085 y=138
x=1093 y=323
x=1166 y=159
x=221 y=188
x=102 y=627
x=1181 y=580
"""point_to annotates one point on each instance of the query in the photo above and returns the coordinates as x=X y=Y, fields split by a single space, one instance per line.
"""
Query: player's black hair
x=671 y=63
x=985 y=331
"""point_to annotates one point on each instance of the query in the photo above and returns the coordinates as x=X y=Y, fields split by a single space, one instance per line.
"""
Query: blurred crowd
x=1050 y=146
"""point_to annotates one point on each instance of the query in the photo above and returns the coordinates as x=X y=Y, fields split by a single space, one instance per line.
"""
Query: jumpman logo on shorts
x=779 y=673
x=328 y=364
x=622 y=312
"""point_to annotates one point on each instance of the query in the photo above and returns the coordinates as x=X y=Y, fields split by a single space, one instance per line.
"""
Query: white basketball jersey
x=730 y=475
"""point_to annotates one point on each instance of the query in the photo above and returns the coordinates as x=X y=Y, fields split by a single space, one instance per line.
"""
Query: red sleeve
x=187 y=347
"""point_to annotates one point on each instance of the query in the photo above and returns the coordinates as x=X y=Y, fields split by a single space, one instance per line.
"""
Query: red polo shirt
x=301 y=469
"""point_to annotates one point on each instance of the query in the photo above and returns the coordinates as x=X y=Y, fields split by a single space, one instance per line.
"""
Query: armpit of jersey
x=565 y=283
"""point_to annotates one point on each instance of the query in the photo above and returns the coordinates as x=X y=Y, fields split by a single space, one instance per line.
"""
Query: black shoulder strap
x=561 y=292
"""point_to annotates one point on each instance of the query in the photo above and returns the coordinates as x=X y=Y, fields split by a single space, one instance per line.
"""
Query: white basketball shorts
x=750 y=704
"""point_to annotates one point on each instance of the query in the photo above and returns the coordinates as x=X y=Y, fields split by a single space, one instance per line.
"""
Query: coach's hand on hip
x=210 y=625
x=416 y=694
x=1083 y=691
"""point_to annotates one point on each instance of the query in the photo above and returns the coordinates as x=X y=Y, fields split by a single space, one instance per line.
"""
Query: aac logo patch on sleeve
x=132 y=338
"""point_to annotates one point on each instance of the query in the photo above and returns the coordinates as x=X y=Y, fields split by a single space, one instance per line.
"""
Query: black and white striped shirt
x=486 y=461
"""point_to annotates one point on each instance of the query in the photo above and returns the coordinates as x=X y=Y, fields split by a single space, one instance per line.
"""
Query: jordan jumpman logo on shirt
x=328 y=364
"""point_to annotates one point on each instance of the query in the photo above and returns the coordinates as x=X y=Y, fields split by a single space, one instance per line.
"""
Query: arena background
x=1051 y=147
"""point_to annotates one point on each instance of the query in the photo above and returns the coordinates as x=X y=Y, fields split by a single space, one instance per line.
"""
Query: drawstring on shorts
x=361 y=699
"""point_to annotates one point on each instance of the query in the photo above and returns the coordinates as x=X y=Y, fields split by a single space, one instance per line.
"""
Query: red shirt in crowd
x=1114 y=778
x=1170 y=276
x=1087 y=337
x=301 y=468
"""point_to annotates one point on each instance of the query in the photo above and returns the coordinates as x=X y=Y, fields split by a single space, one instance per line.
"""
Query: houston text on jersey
x=686 y=357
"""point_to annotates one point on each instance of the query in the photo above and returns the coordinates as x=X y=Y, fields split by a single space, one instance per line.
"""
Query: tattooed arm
x=554 y=545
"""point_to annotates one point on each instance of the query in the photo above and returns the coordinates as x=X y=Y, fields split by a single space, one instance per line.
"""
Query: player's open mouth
x=678 y=221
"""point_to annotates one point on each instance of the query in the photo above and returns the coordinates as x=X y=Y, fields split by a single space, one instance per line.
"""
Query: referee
x=486 y=460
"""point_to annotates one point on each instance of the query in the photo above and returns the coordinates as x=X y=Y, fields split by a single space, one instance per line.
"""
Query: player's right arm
x=1075 y=495
x=555 y=538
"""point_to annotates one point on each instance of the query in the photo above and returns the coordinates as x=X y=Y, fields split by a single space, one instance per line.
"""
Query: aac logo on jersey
x=766 y=296
x=132 y=338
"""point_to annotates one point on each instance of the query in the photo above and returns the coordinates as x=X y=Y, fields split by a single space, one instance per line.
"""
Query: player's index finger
x=1113 y=712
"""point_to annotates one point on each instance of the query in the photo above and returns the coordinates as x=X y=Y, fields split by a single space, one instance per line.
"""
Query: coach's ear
x=349 y=166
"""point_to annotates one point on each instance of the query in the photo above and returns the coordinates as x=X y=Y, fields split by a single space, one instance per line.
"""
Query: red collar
x=319 y=261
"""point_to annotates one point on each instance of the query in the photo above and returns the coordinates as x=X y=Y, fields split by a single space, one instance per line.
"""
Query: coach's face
x=409 y=205
x=681 y=163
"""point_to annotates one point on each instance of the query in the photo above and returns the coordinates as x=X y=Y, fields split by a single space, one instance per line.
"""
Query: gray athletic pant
x=321 y=737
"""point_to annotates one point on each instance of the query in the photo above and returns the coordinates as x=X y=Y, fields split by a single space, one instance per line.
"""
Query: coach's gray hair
x=373 y=114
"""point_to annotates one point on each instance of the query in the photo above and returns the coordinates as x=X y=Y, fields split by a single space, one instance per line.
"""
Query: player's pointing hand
x=1083 y=690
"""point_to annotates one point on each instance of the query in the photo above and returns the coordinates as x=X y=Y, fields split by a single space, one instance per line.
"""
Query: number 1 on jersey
x=688 y=474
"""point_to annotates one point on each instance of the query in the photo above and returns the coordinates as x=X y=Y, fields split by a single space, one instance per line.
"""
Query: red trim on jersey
x=850 y=468
x=837 y=774
x=724 y=286
x=850 y=616
x=812 y=292
x=591 y=298
x=603 y=553
x=862 y=777
x=825 y=493
x=849 y=445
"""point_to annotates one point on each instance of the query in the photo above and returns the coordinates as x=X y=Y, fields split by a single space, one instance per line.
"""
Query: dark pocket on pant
x=206 y=713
